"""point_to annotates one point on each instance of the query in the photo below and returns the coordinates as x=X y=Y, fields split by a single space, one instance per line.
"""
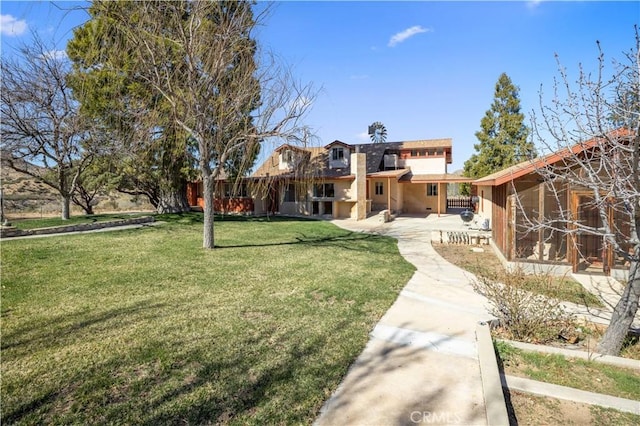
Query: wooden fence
x=458 y=202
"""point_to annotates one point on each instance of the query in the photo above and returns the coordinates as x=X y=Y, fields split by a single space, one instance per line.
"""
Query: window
x=379 y=188
x=287 y=156
x=414 y=153
x=432 y=189
x=238 y=190
x=290 y=193
x=337 y=154
x=323 y=190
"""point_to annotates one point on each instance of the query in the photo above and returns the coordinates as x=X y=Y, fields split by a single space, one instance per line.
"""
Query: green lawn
x=146 y=327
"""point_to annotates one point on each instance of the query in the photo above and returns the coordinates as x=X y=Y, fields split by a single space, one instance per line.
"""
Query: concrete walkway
x=421 y=363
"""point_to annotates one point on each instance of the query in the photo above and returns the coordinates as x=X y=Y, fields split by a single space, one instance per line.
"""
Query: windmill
x=377 y=132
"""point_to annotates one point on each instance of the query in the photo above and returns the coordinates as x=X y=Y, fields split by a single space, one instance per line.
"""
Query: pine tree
x=152 y=152
x=197 y=63
x=503 y=135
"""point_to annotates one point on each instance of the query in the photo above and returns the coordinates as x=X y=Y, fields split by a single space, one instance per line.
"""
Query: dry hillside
x=24 y=196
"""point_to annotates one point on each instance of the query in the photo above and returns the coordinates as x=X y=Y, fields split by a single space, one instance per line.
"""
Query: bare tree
x=217 y=92
x=595 y=129
x=40 y=121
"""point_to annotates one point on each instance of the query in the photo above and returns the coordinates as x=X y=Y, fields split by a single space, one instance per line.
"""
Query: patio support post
x=573 y=237
x=438 y=188
x=541 y=195
x=389 y=194
x=608 y=254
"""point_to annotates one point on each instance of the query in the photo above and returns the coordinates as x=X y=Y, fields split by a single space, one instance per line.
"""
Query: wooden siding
x=233 y=205
x=500 y=217
x=192 y=193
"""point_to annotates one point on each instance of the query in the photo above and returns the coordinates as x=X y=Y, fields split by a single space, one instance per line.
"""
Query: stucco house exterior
x=342 y=180
x=518 y=196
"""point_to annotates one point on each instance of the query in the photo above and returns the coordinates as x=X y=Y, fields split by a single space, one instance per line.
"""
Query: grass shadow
x=62 y=327
x=53 y=334
x=239 y=400
x=195 y=217
x=341 y=240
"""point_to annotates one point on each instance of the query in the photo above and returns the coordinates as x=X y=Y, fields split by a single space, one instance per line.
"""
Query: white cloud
x=10 y=26
x=403 y=35
x=533 y=4
x=364 y=136
x=56 y=54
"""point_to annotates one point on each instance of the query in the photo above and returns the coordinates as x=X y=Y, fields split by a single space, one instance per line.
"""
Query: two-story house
x=343 y=180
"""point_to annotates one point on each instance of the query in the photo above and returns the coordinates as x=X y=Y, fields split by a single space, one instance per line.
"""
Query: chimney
x=359 y=185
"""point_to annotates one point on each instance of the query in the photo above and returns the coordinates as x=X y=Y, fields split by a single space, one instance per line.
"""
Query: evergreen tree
x=153 y=158
x=503 y=135
x=193 y=64
x=117 y=82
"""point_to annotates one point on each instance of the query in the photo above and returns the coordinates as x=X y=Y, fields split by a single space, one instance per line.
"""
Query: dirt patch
x=526 y=409
x=475 y=259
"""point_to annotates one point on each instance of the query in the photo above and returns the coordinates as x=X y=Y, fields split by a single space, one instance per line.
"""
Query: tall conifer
x=503 y=134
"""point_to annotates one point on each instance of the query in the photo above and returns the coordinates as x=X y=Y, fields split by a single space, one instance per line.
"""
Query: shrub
x=523 y=315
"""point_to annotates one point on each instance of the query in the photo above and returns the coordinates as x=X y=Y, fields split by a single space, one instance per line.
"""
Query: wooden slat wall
x=499 y=220
x=233 y=205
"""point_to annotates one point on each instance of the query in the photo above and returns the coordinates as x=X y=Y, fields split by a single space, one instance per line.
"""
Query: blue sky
x=425 y=69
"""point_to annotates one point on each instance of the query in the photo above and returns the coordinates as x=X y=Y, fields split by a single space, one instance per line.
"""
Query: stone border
x=493 y=382
x=550 y=390
x=6 y=233
x=494 y=400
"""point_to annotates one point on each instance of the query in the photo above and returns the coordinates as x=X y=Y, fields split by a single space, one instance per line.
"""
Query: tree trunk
x=173 y=201
x=623 y=313
x=209 y=213
x=84 y=199
x=66 y=206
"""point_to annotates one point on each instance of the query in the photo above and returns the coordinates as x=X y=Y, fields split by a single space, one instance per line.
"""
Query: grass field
x=146 y=327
